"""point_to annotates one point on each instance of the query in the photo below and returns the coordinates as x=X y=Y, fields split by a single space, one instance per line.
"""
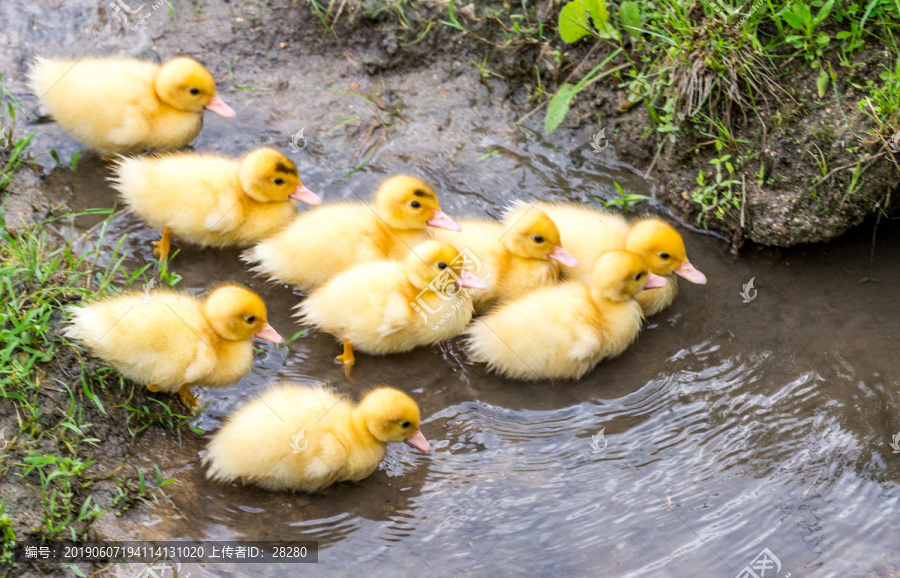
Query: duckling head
x=440 y=267
x=238 y=314
x=391 y=416
x=408 y=203
x=184 y=84
x=531 y=234
x=663 y=249
x=267 y=176
x=620 y=275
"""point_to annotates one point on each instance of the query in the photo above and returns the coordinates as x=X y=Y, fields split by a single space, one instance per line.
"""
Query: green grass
x=51 y=418
x=716 y=192
x=625 y=201
x=701 y=73
x=7 y=536
x=384 y=111
x=700 y=70
x=883 y=102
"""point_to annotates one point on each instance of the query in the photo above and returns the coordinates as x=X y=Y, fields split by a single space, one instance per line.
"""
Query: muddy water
x=729 y=427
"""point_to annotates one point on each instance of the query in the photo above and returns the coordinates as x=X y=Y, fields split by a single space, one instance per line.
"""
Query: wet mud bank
x=807 y=166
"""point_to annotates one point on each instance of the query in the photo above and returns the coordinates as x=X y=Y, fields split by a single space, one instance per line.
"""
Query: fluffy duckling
x=335 y=237
x=172 y=341
x=562 y=332
x=514 y=257
x=212 y=200
x=302 y=438
x=590 y=233
x=663 y=249
x=394 y=306
x=125 y=105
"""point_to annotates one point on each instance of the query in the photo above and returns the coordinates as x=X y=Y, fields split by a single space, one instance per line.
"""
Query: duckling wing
x=226 y=216
x=203 y=364
x=151 y=341
x=134 y=122
x=397 y=315
x=330 y=457
x=586 y=344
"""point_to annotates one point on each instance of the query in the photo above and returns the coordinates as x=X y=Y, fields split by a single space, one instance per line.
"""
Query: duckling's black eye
x=538 y=239
x=415 y=204
x=250 y=319
x=638 y=276
x=405 y=424
x=664 y=255
x=195 y=91
x=278 y=181
x=442 y=265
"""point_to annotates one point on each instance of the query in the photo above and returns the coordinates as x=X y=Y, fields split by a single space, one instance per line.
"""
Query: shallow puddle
x=729 y=427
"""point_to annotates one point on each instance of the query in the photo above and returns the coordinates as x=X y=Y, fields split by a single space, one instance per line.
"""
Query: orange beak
x=471 y=281
x=218 y=106
x=563 y=256
x=655 y=281
x=418 y=441
x=693 y=275
x=442 y=221
x=269 y=334
x=301 y=193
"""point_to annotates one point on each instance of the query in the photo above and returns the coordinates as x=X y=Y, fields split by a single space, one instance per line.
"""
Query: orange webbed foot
x=161 y=250
x=347 y=359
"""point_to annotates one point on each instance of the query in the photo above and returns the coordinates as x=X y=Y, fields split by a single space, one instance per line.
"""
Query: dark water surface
x=730 y=427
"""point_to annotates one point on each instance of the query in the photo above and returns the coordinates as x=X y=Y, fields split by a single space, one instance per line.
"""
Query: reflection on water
x=729 y=427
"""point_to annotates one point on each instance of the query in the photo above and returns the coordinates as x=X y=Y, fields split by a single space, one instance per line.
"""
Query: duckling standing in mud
x=172 y=341
x=211 y=200
x=125 y=105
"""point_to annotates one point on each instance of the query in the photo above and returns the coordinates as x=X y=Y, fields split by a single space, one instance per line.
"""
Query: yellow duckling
x=395 y=306
x=212 y=200
x=562 y=332
x=125 y=105
x=663 y=249
x=513 y=257
x=172 y=341
x=335 y=237
x=302 y=438
x=590 y=233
